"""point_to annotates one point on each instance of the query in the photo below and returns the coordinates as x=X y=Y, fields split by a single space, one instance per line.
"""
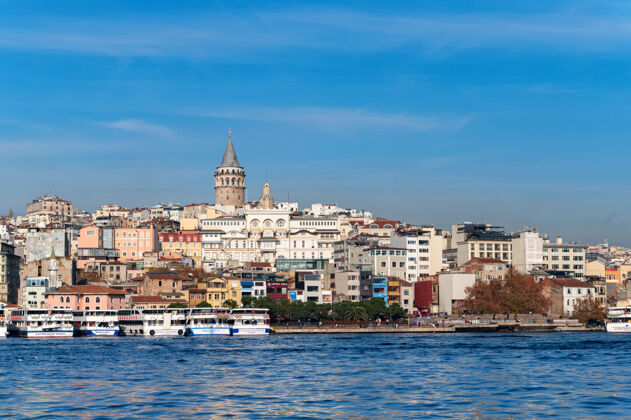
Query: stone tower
x=230 y=179
x=266 y=201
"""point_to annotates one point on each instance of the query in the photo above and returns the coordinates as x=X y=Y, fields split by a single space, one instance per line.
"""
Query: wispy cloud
x=338 y=119
x=139 y=126
x=223 y=34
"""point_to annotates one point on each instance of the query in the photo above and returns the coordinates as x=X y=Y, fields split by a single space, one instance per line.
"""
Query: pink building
x=132 y=243
x=85 y=298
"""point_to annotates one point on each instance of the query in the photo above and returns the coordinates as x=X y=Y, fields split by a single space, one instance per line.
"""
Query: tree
x=178 y=305
x=397 y=311
x=248 y=302
x=356 y=313
x=516 y=293
x=230 y=303
x=204 y=304
x=589 y=311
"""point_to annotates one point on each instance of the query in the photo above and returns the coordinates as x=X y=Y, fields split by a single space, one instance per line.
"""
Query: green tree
x=229 y=303
x=396 y=311
x=356 y=313
x=248 y=301
x=178 y=305
x=204 y=304
x=589 y=311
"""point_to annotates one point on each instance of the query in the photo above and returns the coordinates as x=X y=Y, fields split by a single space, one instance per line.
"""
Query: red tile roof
x=484 y=261
x=155 y=299
x=87 y=290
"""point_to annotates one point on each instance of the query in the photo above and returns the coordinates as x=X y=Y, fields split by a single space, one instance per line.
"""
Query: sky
x=511 y=113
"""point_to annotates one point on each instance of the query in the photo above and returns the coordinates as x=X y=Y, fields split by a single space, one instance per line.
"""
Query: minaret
x=52 y=270
x=230 y=179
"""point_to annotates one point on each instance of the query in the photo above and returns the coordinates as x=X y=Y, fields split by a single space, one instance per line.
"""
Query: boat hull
x=101 y=332
x=619 y=327
x=47 y=334
x=243 y=330
x=3 y=332
x=208 y=331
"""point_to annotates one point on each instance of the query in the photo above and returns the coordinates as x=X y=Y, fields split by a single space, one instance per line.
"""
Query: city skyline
x=432 y=116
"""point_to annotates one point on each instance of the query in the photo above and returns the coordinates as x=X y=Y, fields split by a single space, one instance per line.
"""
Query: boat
x=41 y=323
x=619 y=319
x=152 y=322
x=208 y=321
x=249 y=321
x=3 y=323
x=96 y=323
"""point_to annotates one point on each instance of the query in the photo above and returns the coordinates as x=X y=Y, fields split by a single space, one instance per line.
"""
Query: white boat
x=96 y=323
x=249 y=321
x=3 y=323
x=208 y=321
x=619 y=319
x=41 y=323
x=152 y=322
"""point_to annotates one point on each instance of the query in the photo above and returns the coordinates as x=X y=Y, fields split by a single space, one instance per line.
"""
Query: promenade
x=524 y=323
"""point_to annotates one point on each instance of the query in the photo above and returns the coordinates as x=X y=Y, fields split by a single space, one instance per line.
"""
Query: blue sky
x=514 y=113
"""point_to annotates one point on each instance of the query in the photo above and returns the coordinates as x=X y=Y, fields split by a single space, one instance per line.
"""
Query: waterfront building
x=388 y=261
x=527 y=250
x=424 y=246
x=485 y=268
x=217 y=290
x=565 y=258
x=85 y=298
x=153 y=302
x=426 y=295
x=407 y=296
x=563 y=294
x=34 y=292
x=308 y=285
x=380 y=288
x=482 y=241
x=345 y=285
x=156 y=283
x=9 y=274
x=451 y=291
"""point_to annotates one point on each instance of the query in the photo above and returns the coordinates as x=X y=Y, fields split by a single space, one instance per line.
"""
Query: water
x=565 y=375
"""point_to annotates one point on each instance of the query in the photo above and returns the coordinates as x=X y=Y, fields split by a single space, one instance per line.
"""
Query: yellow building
x=219 y=290
x=188 y=243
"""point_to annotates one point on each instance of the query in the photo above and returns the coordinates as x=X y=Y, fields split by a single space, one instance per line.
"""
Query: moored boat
x=152 y=322
x=619 y=319
x=41 y=323
x=3 y=323
x=208 y=321
x=100 y=323
x=249 y=321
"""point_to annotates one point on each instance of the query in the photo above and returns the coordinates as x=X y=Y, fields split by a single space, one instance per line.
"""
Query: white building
x=451 y=290
x=527 y=251
x=566 y=257
x=424 y=249
x=482 y=241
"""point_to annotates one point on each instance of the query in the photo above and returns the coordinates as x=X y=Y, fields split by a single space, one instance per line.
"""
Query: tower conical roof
x=230 y=156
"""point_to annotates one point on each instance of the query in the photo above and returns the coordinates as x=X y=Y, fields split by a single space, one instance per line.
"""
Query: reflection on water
x=404 y=376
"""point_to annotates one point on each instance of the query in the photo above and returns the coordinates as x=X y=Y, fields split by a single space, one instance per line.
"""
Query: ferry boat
x=208 y=321
x=249 y=321
x=152 y=322
x=3 y=323
x=96 y=323
x=619 y=319
x=41 y=323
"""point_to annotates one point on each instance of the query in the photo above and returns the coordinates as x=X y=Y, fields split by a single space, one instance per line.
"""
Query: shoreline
x=465 y=328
